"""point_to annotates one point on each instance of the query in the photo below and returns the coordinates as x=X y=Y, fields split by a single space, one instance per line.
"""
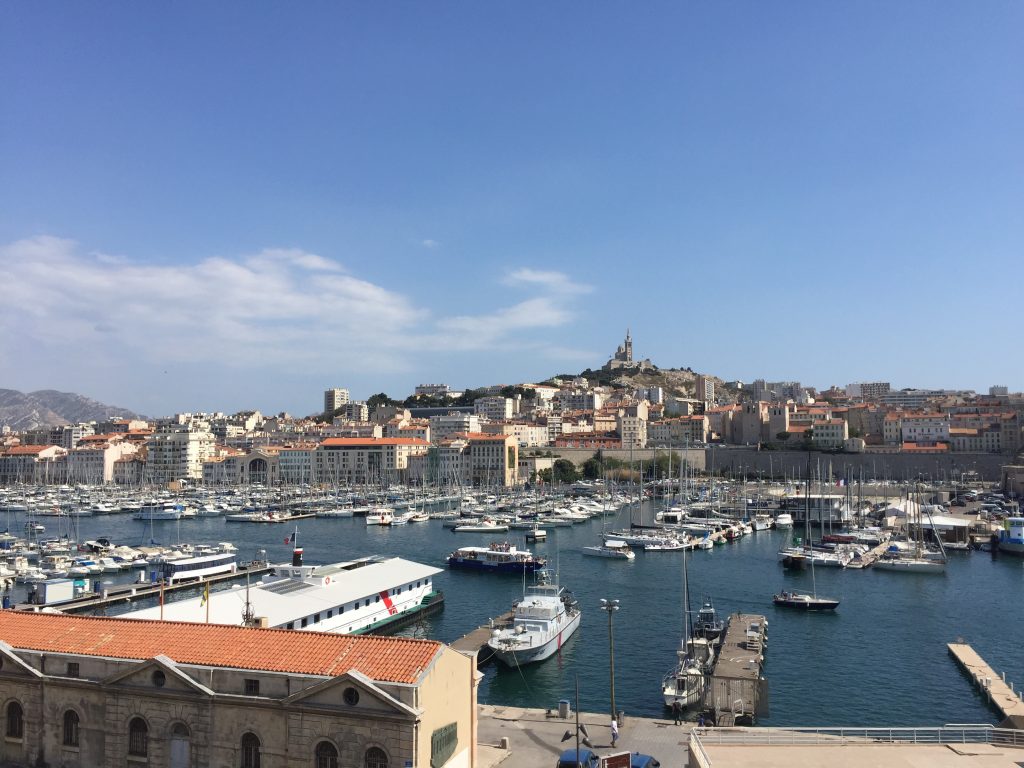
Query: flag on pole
x=206 y=601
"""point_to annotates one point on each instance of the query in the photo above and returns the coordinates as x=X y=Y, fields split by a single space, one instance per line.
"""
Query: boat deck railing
x=958 y=733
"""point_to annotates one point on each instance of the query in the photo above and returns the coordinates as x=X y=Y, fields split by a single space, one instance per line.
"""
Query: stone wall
x=894 y=466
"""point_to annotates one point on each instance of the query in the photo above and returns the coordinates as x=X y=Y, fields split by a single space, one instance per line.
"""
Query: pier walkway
x=991 y=684
x=736 y=686
x=475 y=642
x=129 y=593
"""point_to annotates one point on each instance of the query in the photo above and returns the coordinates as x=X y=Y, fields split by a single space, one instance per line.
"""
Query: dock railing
x=957 y=733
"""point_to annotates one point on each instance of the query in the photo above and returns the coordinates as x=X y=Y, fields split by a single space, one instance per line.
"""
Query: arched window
x=138 y=737
x=181 y=731
x=326 y=755
x=15 y=721
x=70 y=728
x=376 y=758
x=250 y=751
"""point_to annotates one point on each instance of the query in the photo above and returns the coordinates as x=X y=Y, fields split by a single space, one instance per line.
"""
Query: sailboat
x=800 y=553
x=803 y=601
x=685 y=684
x=917 y=560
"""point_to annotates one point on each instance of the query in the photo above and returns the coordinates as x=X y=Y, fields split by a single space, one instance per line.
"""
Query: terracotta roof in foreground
x=392 y=659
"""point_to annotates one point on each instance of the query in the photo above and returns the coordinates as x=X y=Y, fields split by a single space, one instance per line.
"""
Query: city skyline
x=227 y=207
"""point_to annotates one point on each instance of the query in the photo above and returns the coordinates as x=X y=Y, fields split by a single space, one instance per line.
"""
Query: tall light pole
x=611 y=606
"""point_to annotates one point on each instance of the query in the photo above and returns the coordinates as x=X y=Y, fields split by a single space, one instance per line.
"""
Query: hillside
x=675 y=381
x=47 y=407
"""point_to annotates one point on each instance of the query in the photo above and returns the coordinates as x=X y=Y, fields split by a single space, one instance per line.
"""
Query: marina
x=740 y=576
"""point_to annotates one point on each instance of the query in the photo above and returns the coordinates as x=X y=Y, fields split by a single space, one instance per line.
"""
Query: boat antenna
x=248 y=614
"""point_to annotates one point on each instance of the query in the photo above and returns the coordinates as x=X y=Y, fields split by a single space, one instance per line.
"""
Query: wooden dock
x=868 y=558
x=992 y=685
x=737 y=693
x=475 y=642
x=128 y=593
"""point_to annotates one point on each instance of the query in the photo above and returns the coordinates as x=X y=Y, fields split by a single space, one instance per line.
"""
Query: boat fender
x=327 y=579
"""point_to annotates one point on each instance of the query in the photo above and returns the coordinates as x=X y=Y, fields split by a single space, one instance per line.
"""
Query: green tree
x=782 y=436
x=565 y=471
x=592 y=468
x=376 y=401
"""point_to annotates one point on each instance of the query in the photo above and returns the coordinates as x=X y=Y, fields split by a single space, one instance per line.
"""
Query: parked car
x=585 y=759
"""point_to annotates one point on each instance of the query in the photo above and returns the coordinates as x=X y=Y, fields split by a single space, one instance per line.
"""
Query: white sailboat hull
x=911 y=565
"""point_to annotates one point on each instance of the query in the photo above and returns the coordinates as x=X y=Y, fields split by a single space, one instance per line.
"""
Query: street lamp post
x=611 y=606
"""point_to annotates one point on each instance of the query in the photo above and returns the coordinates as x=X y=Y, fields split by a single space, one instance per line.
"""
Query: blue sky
x=231 y=205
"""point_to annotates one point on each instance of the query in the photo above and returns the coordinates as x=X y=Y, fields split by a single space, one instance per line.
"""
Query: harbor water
x=879 y=660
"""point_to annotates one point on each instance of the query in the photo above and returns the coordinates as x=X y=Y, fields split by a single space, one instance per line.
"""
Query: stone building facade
x=86 y=692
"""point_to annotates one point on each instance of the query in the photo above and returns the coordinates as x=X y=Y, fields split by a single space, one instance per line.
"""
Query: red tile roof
x=392 y=659
x=26 y=450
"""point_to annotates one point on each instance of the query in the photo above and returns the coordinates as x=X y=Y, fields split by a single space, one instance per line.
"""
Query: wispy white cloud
x=429 y=244
x=278 y=307
x=555 y=282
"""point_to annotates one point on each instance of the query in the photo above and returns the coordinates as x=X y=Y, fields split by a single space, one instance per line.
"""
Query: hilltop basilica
x=623 y=358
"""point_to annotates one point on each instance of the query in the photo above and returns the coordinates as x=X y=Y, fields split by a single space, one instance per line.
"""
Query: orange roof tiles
x=392 y=659
x=26 y=450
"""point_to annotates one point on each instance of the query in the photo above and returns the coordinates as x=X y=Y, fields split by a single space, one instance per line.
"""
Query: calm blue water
x=880 y=660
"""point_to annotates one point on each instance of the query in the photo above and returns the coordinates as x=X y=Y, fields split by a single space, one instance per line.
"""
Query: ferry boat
x=499 y=557
x=542 y=621
x=200 y=566
x=364 y=596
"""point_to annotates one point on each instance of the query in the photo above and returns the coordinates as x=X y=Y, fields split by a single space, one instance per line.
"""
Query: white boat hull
x=911 y=565
x=524 y=653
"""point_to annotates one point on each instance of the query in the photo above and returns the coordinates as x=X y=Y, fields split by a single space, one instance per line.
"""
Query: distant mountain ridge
x=50 y=408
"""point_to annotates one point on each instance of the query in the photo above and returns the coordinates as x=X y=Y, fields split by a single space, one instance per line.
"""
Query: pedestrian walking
x=615 y=731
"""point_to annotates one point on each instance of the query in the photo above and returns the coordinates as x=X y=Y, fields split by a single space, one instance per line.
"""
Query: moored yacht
x=541 y=622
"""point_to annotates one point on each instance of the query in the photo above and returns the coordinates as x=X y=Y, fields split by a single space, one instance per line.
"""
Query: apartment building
x=443 y=426
x=177 y=451
x=334 y=399
x=355 y=460
x=494 y=408
x=677 y=432
x=526 y=434
x=868 y=390
x=92 y=462
x=829 y=434
x=704 y=389
x=31 y=464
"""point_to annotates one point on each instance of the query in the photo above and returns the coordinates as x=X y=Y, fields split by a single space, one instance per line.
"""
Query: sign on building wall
x=442 y=744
